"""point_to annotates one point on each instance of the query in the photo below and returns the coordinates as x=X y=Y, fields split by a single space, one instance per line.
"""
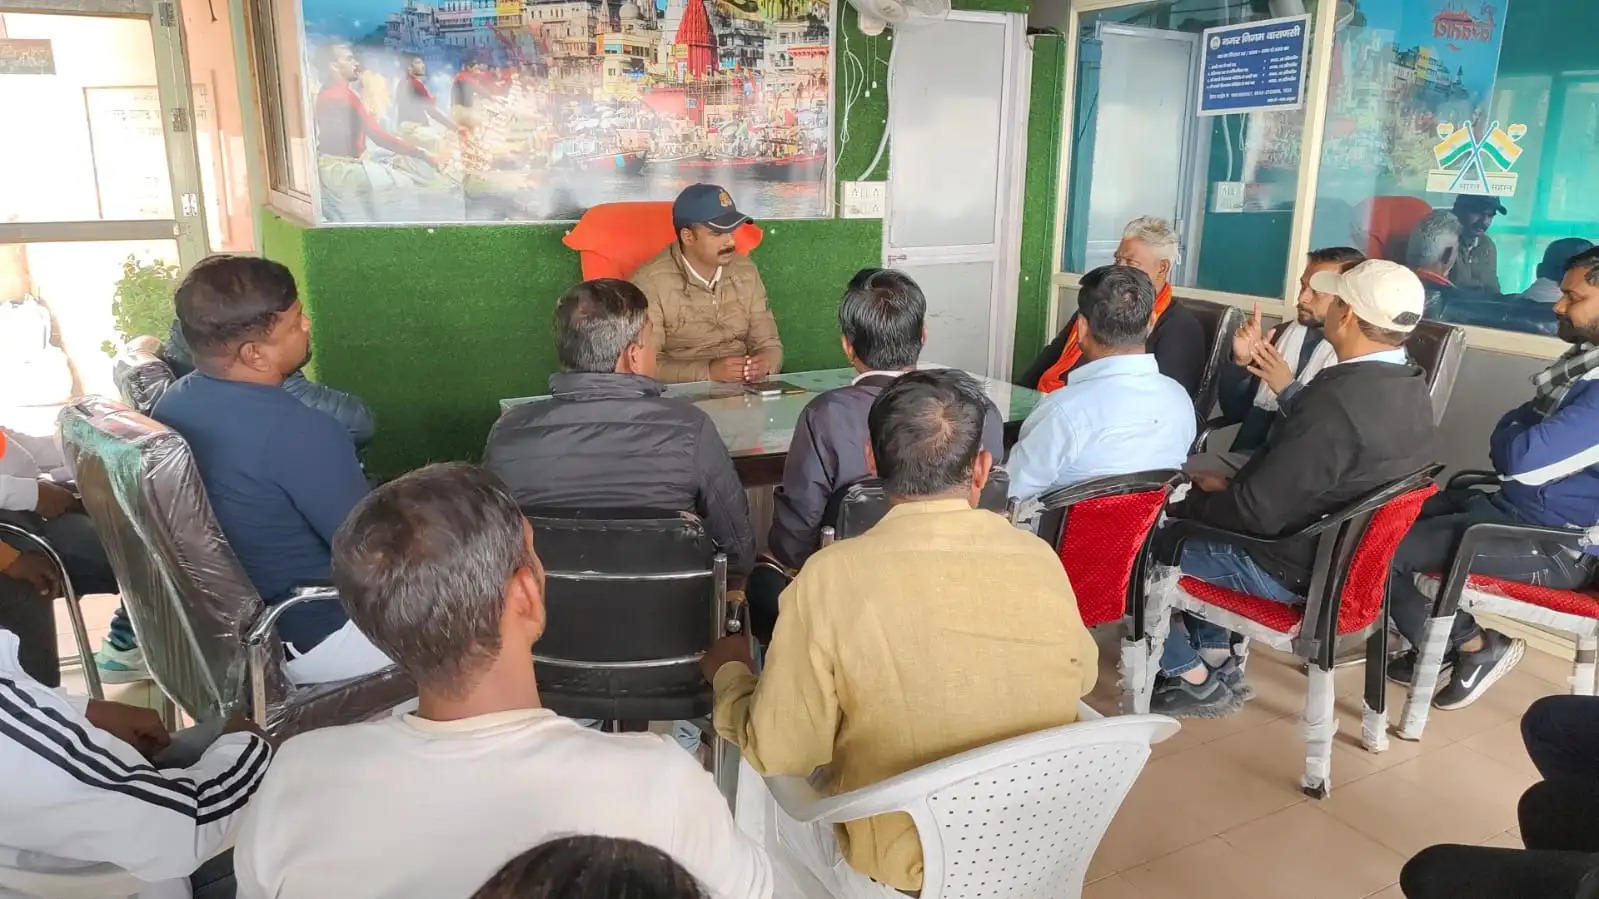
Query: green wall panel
x=1045 y=140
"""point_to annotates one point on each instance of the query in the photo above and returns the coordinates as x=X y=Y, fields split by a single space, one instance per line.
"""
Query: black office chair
x=634 y=598
x=851 y=511
x=1219 y=321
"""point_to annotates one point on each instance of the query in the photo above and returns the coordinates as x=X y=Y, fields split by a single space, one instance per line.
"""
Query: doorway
x=100 y=205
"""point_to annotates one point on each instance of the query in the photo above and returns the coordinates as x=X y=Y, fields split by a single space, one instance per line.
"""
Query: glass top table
x=760 y=428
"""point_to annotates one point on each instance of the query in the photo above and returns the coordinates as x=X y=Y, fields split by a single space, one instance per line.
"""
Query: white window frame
x=1515 y=342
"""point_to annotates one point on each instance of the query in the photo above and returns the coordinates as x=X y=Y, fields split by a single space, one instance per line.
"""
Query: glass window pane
x=1431 y=101
x=1139 y=148
x=65 y=310
x=94 y=145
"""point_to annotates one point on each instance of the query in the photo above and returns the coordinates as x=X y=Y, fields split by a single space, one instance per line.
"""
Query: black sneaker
x=1402 y=668
x=1476 y=671
x=1181 y=699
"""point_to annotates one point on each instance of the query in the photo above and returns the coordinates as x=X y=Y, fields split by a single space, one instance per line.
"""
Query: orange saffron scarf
x=1071 y=354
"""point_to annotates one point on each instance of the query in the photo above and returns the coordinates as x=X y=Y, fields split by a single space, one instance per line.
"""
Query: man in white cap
x=1364 y=422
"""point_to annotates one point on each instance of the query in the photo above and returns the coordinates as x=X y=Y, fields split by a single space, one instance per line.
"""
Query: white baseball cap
x=1379 y=292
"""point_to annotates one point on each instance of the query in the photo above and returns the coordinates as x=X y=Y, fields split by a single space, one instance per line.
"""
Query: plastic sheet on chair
x=1321 y=725
x=1483 y=597
x=1373 y=728
x=188 y=597
x=142 y=378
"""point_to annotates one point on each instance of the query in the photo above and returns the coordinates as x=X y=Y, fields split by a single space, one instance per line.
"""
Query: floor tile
x=1146 y=827
x=1390 y=892
x=1406 y=815
x=1212 y=869
x=1503 y=744
x=1113 y=887
x=1303 y=851
x=1510 y=839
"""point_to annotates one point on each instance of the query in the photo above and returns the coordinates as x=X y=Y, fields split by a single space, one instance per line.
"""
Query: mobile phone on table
x=765 y=389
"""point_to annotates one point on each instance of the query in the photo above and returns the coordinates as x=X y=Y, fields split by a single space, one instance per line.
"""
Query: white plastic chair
x=94 y=882
x=1018 y=818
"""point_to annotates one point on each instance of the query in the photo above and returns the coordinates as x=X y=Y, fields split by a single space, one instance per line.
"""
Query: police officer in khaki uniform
x=706 y=301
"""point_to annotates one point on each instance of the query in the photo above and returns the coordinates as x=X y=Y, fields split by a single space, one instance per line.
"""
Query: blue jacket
x=1549 y=464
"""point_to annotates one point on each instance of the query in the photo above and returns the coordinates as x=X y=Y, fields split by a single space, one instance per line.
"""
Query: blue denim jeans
x=1225 y=566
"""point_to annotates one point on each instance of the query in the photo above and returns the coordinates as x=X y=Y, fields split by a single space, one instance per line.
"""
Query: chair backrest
x=187 y=594
x=1219 y=321
x=1383 y=225
x=1023 y=817
x=1438 y=347
x=91 y=882
x=613 y=239
x=626 y=585
x=1364 y=548
x=1100 y=528
x=142 y=378
x=853 y=509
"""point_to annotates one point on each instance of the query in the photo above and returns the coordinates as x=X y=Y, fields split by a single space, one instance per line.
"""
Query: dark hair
x=421 y=565
x=585 y=867
x=1373 y=332
x=882 y=315
x=1588 y=259
x=926 y=431
x=595 y=321
x=228 y=300
x=1117 y=302
x=1344 y=257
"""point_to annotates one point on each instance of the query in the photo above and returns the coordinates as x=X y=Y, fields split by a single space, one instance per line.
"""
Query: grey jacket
x=828 y=451
x=346 y=407
x=613 y=441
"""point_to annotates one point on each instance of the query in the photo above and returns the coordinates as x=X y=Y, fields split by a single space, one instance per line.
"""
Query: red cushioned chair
x=1348 y=595
x=1383 y=225
x=1100 y=529
x=613 y=239
x=1575 y=612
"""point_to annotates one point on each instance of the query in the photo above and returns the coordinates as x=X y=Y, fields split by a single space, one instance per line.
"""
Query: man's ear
x=871 y=460
x=982 y=469
x=250 y=356
x=1165 y=269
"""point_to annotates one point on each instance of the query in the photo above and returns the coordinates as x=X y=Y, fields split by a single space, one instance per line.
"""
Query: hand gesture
x=138 y=727
x=730 y=369
x=755 y=369
x=1209 y=481
x=1246 y=338
x=36 y=570
x=727 y=650
x=54 y=500
x=1269 y=365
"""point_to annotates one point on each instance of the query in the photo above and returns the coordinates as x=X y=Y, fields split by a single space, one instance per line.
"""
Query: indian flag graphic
x=1455 y=147
x=1501 y=148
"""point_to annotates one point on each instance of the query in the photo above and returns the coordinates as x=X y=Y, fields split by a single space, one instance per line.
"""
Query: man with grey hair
x=607 y=437
x=438 y=567
x=1432 y=250
x=1176 y=338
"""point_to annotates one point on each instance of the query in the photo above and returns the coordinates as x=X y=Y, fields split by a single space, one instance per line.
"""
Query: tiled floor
x=1218 y=811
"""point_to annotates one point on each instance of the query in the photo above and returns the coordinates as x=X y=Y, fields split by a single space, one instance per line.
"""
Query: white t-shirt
x=407 y=807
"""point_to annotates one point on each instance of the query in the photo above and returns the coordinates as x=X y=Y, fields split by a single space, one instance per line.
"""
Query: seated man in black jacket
x=1249 y=395
x=608 y=439
x=1177 y=340
x=882 y=318
x=1365 y=421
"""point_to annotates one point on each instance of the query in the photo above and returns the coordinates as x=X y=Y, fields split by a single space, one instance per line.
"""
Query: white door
x=1144 y=126
x=958 y=91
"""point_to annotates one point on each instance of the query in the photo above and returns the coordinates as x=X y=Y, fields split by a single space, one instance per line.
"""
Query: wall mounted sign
x=1254 y=67
x=26 y=56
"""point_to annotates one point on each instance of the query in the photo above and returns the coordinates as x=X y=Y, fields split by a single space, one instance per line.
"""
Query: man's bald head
x=927 y=432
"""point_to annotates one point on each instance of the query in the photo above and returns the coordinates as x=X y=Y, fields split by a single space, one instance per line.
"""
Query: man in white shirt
x=80 y=796
x=1118 y=414
x=437 y=568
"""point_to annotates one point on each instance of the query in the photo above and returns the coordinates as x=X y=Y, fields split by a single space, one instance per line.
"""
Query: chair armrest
x=1464 y=480
x=262 y=627
x=1206 y=427
x=1179 y=530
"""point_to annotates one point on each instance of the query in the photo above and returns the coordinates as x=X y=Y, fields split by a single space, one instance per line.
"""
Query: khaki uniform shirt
x=694 y=324
x=941 y=629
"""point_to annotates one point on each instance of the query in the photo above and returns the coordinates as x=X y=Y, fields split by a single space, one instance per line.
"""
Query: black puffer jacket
x=346 y=407
x=612 y=441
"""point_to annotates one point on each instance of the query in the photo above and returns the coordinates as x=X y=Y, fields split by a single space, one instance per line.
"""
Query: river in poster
x=534 y=110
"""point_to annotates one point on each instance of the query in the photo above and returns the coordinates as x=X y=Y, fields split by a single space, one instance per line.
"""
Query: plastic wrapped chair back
x=1100 y=529
x=852 y=510
x=187 y=594
x=1219 y=321
x=1438 y=348
x=142 y=378
x=1366 y=583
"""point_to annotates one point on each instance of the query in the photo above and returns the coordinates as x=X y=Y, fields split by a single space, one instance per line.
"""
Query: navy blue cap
x=708 y=205
x=1479 y=203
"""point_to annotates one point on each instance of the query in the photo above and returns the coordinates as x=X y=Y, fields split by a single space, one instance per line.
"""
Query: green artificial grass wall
x=1045 y=140
x=432 y=326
